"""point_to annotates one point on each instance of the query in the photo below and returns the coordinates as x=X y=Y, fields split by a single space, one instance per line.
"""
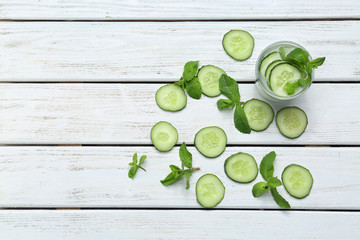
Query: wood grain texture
x=97 y=177
x=152 y=224
x=175 y=10
x=125 y=114
x=157 y=51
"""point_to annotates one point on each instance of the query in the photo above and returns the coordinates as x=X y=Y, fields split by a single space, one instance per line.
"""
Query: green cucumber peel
x=135 y=165
x=178 y=173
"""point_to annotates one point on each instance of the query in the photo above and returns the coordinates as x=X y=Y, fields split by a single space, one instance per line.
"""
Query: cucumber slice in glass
x=282 y=74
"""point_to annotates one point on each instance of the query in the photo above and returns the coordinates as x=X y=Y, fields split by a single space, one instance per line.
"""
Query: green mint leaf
x=267 y=165
x=193 y=88
x=240 y=120
x=142 y=159
x=298 y=55
x=279 y=199
x=187 y=174
x=135 y=159
x=175 y=175
x=225 y=103
x=185 y=156
x=259 y=188
x=133 y=171
x=229 y=88
x=290 y=87
x=274 y=182
x=305 y=79
x=190 y=70
x=317 y=62
x=282 y=52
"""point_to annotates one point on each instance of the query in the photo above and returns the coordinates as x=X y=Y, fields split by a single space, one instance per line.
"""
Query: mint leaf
x=132 y=171
x=190 y=70
x=274 y=182
x=290 y=87
x=225 y=103
x=193 y=88
x=279 y=199
x=317 y=62
x=305 y=79
x=187 y=174
x=142 y=159
x=229 y=88
x=282 y=52
x=240 y=120
x=175 y=175
x=298 y=55
x=185 y=156
x=259 y=188
x=135 y=159
x=267 y=165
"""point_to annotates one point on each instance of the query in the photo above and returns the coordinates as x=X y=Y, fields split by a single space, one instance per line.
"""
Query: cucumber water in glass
x=284 y=70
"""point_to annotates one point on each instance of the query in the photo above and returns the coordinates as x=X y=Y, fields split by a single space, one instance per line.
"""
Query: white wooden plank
x=125 y=114
x=97 y=177
x=193 y=224
x=157 y=51
x=175 y=10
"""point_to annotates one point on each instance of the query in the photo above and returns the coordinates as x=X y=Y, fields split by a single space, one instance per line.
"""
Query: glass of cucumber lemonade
x=278 y=78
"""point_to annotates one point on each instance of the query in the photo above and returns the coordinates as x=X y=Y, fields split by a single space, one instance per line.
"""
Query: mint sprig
x=176 y=172
x=189 y=81
x=267 y=172
x=300 y=59
x=135 y=165
x=229 y=88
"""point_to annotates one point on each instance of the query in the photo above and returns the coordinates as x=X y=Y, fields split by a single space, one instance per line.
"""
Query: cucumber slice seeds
x=164 y=136
x=238 y=44
x=211 y=141
x=297 y=180
x=241 y=167
x=210 y=190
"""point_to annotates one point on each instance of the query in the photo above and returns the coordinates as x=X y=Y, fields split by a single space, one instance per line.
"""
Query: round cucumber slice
x=270 y=67
x=210 y=190
x=241 y=167
x=171 y=98
x=259 y=114
x=291 y=121
x=211 y=141
x=297 y=180
x=209 y=76
x=238 y=44
x=164 y=136
x=282 y=74
x=270 y=58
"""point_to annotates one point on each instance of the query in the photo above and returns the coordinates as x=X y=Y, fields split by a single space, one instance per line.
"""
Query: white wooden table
x=78 y=79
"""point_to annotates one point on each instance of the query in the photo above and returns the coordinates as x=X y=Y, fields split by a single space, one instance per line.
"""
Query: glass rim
x=259 y=76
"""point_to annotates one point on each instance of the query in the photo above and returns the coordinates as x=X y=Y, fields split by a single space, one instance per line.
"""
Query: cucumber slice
x=164 y=136
x=291 y=121
x=280 y=75
x=238 y=44
x=297 y=180
x=259 y=114
x=210 y=141
x=209 y=190
x=171 y=98
x=209 y=76
x=271 y=66
x=272 y=57
x=241 y=167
